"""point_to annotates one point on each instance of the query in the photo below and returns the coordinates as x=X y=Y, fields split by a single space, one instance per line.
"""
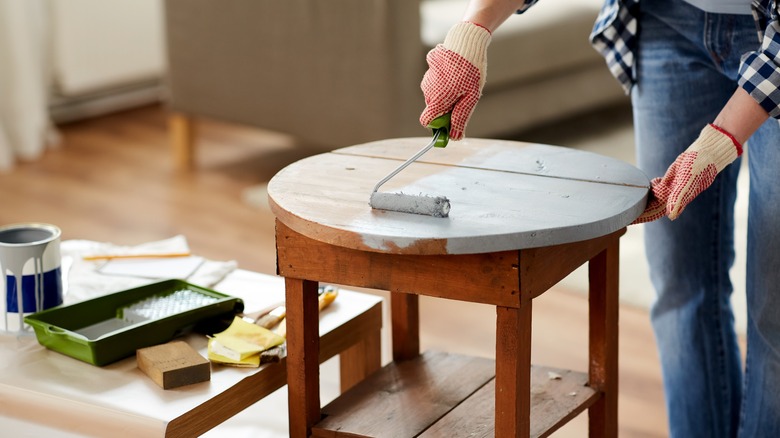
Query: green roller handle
x=441 y=130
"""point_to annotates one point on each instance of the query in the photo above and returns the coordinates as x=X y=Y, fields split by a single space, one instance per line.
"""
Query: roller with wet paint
x=436 y=206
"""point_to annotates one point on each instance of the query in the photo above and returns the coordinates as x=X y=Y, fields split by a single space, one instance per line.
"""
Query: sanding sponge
x=173 y=364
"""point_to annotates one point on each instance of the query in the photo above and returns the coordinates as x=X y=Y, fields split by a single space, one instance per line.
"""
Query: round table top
x=505 y=195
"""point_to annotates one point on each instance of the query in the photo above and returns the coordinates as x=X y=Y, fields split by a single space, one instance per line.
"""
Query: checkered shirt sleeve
x=614 y=35
x=759 y=71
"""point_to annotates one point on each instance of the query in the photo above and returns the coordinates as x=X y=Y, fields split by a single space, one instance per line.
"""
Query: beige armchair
x=341 y=72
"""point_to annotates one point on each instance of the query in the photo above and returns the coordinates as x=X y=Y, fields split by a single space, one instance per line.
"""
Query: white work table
x=42 y=391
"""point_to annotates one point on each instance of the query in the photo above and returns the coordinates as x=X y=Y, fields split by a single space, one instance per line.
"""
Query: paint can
x=30 y=264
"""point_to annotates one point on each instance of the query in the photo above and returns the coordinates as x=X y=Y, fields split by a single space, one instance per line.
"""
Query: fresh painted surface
x=505 y=195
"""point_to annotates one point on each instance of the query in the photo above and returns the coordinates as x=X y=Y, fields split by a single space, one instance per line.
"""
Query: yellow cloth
x=242 y=343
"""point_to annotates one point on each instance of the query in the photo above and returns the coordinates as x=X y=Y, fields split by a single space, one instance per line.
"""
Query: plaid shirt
x=615 y=37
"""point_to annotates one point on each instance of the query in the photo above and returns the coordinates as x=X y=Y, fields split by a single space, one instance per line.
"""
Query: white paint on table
x=505 y=195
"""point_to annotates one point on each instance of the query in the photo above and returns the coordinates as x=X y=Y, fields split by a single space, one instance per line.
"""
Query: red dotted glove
x=691 y=173
x=455 y=76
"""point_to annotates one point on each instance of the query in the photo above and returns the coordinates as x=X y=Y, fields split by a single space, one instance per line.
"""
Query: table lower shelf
x=441 y=394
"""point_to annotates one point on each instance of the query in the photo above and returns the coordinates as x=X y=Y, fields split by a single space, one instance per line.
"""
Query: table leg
x=603 y=340
x=360 y=360
x=513 y=370
x=405 y=313
x=303 y=350
x=182 y=132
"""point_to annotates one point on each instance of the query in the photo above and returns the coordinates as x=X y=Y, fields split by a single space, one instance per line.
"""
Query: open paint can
x=31 y=266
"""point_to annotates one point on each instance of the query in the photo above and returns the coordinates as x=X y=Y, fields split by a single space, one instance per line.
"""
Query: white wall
x=98 y=44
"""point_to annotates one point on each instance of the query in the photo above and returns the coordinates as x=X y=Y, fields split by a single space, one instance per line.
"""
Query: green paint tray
x=108 y=328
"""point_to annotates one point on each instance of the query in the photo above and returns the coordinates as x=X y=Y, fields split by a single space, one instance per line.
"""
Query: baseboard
x=64 y=109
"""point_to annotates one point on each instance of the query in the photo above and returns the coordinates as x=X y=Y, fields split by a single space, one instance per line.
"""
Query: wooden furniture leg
x=513 y=370
x=405 y=313
x=603 y=340
x=182 y=130
x=303 y=345
x=360 y=360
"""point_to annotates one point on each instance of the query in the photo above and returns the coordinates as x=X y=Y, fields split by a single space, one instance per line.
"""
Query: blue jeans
x=686 y=71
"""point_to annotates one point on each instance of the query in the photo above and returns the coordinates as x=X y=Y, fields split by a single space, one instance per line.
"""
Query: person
x=702 y=82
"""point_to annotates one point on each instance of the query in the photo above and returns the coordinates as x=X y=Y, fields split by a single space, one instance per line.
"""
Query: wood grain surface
x=405 y=397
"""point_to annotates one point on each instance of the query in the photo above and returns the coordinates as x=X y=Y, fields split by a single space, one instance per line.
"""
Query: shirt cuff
x=760 y=77
x=759 y=73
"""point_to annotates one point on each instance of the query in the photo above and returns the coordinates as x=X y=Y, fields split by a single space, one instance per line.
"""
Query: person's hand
x=656 y=206
x=455 y=76
x=690 y=174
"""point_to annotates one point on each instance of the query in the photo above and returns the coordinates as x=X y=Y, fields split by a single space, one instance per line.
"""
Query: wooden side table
x=523 y=217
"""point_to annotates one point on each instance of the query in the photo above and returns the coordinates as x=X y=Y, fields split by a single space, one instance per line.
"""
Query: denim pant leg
x=761 y=403
x=680 y=89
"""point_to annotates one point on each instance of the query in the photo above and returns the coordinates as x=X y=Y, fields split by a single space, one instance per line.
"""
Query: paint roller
x=436 y=206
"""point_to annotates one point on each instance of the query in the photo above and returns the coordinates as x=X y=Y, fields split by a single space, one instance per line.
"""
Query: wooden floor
x=112 y=179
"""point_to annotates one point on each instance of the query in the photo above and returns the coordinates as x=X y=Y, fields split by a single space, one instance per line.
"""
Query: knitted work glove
x=455 y=76
x=691 y=173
